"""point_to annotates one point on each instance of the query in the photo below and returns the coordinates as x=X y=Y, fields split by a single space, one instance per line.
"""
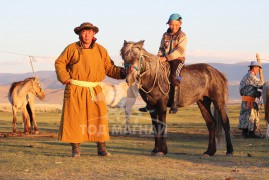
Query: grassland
x=43 y=157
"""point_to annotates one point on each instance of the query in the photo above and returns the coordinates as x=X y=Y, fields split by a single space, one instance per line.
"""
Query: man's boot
x=101 y=149
x=174 y=105
x=75 y=149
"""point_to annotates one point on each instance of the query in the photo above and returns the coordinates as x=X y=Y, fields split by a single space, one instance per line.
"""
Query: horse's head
x=131 y=54
x=36 y=88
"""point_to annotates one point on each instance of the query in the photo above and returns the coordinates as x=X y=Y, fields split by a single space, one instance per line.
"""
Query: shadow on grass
x=187 y=146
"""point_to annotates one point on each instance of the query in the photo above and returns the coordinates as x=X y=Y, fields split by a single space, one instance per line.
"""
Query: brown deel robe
x=82 y=118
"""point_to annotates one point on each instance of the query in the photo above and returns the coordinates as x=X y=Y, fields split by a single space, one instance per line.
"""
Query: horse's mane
x=18 y=83
x=149 y=55
x=132 y=50
x=12 y=87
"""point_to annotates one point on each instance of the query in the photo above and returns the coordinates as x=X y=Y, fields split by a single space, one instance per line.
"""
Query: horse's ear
x=140 y=43
x=35 y=78
x=125 y=42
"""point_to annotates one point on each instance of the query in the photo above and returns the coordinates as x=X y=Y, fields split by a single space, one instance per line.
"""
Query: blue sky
x=227 y=31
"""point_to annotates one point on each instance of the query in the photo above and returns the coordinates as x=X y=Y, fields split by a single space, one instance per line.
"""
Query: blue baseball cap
x=174 y=17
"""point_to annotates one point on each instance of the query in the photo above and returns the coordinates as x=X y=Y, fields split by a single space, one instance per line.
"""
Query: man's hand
x=122 y=73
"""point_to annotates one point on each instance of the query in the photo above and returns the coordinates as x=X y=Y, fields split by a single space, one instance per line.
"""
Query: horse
x=21 y=95
x=121 y=96
x=201 y=84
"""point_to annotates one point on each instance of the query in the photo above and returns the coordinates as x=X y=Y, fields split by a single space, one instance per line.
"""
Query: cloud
x=223 y=57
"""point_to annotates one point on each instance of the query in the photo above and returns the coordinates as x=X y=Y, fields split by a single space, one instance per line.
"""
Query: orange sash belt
x=250 y=100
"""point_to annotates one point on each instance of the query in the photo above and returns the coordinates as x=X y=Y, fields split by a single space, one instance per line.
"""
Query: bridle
x=140 y=75
x=32 y=89
x=131 y=66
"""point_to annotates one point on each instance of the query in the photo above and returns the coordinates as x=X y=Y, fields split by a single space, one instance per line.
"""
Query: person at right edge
x=172 y=49
x=250 y=89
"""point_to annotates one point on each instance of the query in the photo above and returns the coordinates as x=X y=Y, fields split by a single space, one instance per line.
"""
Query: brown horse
x=21 y=95
x=201 y=83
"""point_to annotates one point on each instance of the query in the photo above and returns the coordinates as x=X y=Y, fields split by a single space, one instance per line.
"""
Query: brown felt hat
x=86 y=25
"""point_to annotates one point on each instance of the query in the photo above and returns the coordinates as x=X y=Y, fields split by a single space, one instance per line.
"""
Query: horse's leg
x=128 y=109
x=162 y=131
x=26 y=120
x=159 y=128
x=130 y=101
x=211 y=125
x=132 y=93
x=153 y=116
x=226 y=126
x=127 y=128
x=14 y=111
x=31 y=112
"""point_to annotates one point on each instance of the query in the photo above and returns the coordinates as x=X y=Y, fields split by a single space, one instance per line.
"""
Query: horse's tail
x=29 y=110
x=218 y=120
x=216 y=114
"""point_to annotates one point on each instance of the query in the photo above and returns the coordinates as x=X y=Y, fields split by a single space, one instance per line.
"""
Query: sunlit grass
x=43 y=157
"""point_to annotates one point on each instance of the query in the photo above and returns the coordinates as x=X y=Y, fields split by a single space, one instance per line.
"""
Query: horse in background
x=201 y=83
x=121 y=96
x=21 y=96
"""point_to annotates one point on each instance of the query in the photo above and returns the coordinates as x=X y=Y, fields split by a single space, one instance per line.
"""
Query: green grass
x=43 y=157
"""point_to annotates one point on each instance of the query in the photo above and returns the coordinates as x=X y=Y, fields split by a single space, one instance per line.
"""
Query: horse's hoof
x=229 y=154
x=36 y=132
x=159 y=154
x=127 y=131
x=205 y=156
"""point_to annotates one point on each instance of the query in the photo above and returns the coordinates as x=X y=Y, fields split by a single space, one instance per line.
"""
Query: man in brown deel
x=81 y=67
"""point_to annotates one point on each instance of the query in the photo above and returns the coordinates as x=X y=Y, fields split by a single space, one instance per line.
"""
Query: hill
x=54 y=89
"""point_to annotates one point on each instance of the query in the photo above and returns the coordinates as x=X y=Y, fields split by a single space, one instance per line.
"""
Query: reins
x=140 y=85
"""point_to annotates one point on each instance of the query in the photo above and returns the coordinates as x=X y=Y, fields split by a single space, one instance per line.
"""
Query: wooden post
x=260 y=71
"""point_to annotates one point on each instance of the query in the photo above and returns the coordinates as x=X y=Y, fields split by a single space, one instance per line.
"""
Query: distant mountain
x=235 y=72
x=48 y=79
x=54 y=89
